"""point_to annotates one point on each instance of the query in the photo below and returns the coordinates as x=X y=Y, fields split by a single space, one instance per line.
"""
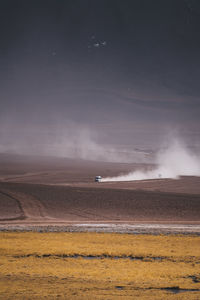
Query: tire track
x=22 y=216
x=31 y=208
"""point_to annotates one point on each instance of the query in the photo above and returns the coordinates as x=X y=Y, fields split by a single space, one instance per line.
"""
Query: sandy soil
x=69 y=198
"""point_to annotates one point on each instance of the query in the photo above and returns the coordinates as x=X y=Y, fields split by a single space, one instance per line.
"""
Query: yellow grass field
x=98 y=266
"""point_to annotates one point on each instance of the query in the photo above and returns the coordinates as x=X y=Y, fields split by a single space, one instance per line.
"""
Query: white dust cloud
x=174 y=161
x=62 y=140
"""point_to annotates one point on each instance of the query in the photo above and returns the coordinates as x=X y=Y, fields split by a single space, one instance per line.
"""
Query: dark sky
x=126 y=70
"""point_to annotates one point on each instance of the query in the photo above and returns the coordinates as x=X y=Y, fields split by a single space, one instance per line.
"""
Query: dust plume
x=171 y=162
x=54 y=136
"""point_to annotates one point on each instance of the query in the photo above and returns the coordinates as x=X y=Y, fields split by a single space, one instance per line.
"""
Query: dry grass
x=38 y=266
x=16 y=243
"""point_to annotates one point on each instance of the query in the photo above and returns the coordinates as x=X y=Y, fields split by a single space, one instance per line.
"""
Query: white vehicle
x=98 y=178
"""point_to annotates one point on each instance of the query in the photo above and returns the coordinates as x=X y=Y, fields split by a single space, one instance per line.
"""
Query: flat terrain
x=62 y=192
x=65 y=203
x=60 y=195
x=98 y=266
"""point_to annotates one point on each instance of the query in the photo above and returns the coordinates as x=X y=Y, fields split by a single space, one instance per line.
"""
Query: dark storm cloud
x=123 y=68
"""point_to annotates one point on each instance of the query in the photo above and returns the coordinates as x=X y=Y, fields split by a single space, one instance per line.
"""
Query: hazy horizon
x=84 y=74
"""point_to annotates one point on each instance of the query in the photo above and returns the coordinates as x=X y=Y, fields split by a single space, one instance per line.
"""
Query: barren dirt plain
x=57 y=192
